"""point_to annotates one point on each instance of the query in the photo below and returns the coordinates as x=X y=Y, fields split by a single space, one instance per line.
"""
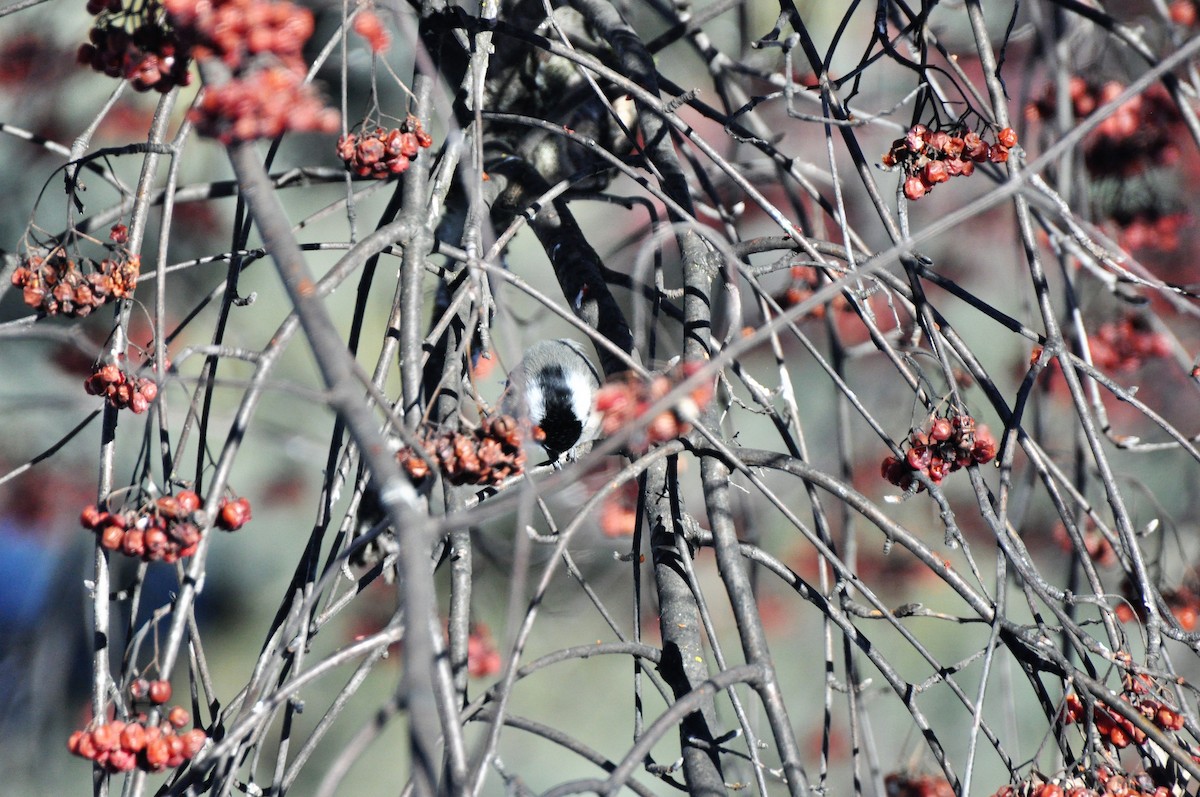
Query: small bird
x=553 y=388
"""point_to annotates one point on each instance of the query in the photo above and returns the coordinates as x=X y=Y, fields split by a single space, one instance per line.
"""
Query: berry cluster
x=55 y=284
x=162 y=531
x=121 y=389
x=625 y=401
x=1183 y=603
x=1117 y=730
x=120 y=746
x=368 y=25
x=265 y=103
x=928 y=157
x=487 y=455
x=951 y=442
x=262 y=44
x=1125 y=344
x=237 y=31
x=384 y=152
x=1102 y=781
x=803 y=286
x=1132 y=155
x=1136 y=136
x=123 y=746
x=138 y=44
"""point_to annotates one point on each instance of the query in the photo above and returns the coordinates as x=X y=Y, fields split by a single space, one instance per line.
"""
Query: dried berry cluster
x=162 y=531
x=803 y=286
x=1183 y=603
x=901 y=784
x=928 y=157
x=1132 y=156
x=138 y=44
x=487 y=455
x=121 y=389
x=368 y=25
x=262 y=43
x=952 y=442
x=1125 y=344
x=625 y=401
x=55 y=284
x=384 y=152
x=1136 y=136
x=1103 y=781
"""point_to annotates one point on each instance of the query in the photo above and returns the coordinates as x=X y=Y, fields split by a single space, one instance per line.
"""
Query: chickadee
x=554 y=389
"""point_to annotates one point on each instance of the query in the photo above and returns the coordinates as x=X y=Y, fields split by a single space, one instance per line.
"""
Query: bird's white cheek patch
x=535 y=403
x=583 y=393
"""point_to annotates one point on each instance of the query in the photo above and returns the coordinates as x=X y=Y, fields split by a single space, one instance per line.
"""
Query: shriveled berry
x=919 y=457
x=914 y=188
x=1007 y=138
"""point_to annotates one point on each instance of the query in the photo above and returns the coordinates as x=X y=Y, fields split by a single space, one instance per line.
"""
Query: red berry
x=368 y=25
x=91 y=516
x=133 y=738
x=179 y=716
x=160 y=691
x=1007 y=138
x=919 y=457
x=106 y=737
x=134 y=543
x=189 y=502
x=914 y=188
x=156 y=754
x=940 y=430
x=122 y=760
x=935 y=172
x=193 y=741
x=112 y=537
x=234 y=514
